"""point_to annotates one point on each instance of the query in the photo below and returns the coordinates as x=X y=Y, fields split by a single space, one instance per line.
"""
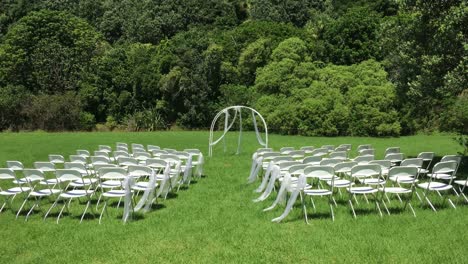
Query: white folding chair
x=363 y=160
x=312 y=160
x=330 y=162
x=78 y=159
x=66 y=178
x=367 y=152
x=363 y=171
x=126 y=161
x=32 y=176
x=395 y=158
x=329 y=148
x=10 y=192
x=342 y=170
x=442 y=168
x=384 y=165
x=286 y=150
x=401 y=174
x=114 y=175
x=320 y=172
x=99 y=160
x=319 y=152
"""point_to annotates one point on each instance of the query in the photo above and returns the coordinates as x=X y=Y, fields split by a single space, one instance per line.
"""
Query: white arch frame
x=227 y=126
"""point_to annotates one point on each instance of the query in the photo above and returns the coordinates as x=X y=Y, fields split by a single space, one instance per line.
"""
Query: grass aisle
x=215 y=220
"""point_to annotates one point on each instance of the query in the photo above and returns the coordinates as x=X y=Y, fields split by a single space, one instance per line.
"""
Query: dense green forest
x=311 y=67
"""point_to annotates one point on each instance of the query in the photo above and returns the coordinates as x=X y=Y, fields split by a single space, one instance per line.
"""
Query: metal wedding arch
x=228 y=125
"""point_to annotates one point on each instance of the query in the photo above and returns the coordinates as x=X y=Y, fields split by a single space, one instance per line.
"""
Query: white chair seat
x=25 y=180
x=114 y=193
x=14 y=191
x=435 y=186
x=403 y=179
x=372 y=181
x=462 y=182
x=141 y=186
x=49 y=182
x=341 y=183
x=44 y=192
x=440 y=176
x=85 y=182
x=76 y=193
x=317 y=192
x=110 y=184
x=395 y=190
x=362 y=190
x=423 y=171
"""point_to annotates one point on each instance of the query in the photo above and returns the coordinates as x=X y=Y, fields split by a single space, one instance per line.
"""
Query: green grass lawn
x=215 y=220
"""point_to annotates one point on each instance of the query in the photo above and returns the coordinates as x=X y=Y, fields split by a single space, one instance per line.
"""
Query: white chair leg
x=61 y=211
x=21 y=207
x=412 y=209
x=86 y=208
x=352 y=208
x=50 y=209
x=451 y=203
x=102 y=212
x=36 y=204
x=385 y=206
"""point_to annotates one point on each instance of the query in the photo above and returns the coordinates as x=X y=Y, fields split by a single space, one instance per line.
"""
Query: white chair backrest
x=341 y=148
x=259 y=150
x=15 y=165
x=171 y=158
x=182 y=155
x=99 y=153
x=345 y=146
x=197 y=151
x=99 y=160
x=142 y=155
x=83 y=152
x=321 y=172
x=395 y=157
x=413 y=162
x=152 y=147
x=307 y=149
x=121 y=148
x=75 y=166
x=64 y=175
x=7 y=174
x=312 y=160
x=367 y=152
x=98 y=166
x=156 y=163
x=365 y=146
x=392 y=150
x=286 y=150
x=170 y=150
x=329 y=148
x=344 y=167
x=285 y=165
x=33 y=174
x=158 y=152
x=455 y=158
x=330 y=162
x=127 y=161
x=270 y=155
x=119 y=153
x=105 y=148
x=54 y=158
x=361 y=160
x=121 y=144
x=44 y=166
x=139 y=171
x=403 y=171
x=445 y=167
x=115 y=173
x=426 y=156
x=137 y=146
x=319 y=152
x=297 y=169
x=78 y=158
x=281 y=159
x=366 y=171
x=339 y=155
x=384 y=164
x=297 y=154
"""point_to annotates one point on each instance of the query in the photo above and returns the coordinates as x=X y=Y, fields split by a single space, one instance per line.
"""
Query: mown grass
x=215 y=220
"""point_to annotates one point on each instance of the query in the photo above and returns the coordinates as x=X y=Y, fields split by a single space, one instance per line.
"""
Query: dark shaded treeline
x=367 y=68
